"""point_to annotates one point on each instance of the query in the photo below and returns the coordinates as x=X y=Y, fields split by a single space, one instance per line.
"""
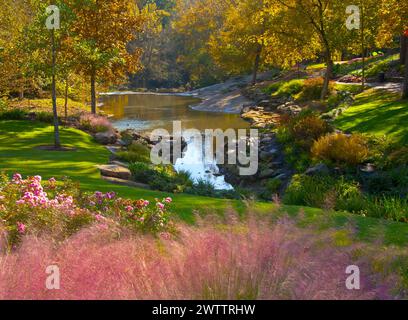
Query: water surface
x=146 y=112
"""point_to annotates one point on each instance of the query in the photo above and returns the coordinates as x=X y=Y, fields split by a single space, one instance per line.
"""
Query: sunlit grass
x=18 y=153
x=377 y=112
x=45 y=105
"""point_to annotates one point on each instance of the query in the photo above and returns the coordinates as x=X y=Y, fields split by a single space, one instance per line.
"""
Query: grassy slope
x=18 y=140
x=45 y=105
x=377 y=112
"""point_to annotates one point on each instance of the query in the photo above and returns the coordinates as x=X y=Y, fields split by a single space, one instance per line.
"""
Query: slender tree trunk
x=93 y=93
x=328 y=75
x=21 y=93
x=403 y=48
x=256 y=65
x=363 y=47
x=405 y=87
x=57 y=142
x=66 y=98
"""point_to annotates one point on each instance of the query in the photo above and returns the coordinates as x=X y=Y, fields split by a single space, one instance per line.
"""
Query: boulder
x=267 y=173
x=267 y=155
x=282 y=177
x=115 y=171
x=106 y=138
x=113 y=149
x=289 y=108
x=321 y=168
x=368 y=168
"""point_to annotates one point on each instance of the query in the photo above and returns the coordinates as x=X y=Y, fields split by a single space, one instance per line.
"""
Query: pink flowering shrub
x=95 y=123
x=238 y=260
x=59 y=209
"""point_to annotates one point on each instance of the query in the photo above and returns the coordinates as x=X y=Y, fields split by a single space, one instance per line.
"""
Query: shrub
x=13 y=114
x=306 y=128
x=341 y=149
x=166 y=178
x=271 y=187
x=285 y=88
x=312 y=89
x=392 y=182
x=141 y=172
x=46 y=117
x=342 y=194
x=250 y=260
x=3 y=104
x=161 y=177
x=33 y=206
x=137 y=152
x=398 y=156
x=314 y=191
x=94 y=123
x=203 y=188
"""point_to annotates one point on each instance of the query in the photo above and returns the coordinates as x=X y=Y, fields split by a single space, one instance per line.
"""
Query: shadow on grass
x=377 y=113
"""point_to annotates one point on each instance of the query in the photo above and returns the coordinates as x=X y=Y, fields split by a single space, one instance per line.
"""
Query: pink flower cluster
x=161 y=205
x=35 y=196
x=100 y=197
x=24 y=200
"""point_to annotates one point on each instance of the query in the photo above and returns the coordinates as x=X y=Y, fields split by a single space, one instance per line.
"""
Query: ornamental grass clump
x=95 y=123
x=341 y=149
x=251 y=259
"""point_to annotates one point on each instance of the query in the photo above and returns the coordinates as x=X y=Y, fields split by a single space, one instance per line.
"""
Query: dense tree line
x=191 y=43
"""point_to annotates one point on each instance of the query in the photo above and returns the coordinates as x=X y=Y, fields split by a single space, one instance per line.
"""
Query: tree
x=324 y=18
x=393 y=16
x=15 y=15
x=238 y=46
x=405 y=87
x=43 y=37
x=194 y=23
x=150 y=39
x=102 y=31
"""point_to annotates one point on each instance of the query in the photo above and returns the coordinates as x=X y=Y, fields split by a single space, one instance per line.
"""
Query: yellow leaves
x=102 y=32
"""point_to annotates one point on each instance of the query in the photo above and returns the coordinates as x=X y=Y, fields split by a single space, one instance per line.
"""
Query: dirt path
x=389 y=86
x=224 y=97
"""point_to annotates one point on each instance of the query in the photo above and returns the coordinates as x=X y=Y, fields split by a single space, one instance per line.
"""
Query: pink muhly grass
x=95 y=123
x=252 y=260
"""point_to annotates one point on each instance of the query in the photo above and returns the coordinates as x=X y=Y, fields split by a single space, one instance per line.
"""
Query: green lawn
x=18 y=153
x=377 y=112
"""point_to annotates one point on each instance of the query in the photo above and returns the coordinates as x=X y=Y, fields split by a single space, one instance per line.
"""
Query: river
x=145 y=112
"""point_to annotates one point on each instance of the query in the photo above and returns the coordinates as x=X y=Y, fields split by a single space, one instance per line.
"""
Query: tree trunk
x=93 y=93
x=363 y=53
x=403 y=49
x=256 y=65
x=57 y=142
x=21 y=93
x=66 y=99
x=405 y=87
x=328 y=75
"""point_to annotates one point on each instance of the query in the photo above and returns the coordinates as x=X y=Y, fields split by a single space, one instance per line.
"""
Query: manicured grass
x=18 y=153
x=377 y=112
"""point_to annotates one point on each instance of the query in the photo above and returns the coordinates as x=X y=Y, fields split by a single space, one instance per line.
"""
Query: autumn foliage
x=341 y=149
